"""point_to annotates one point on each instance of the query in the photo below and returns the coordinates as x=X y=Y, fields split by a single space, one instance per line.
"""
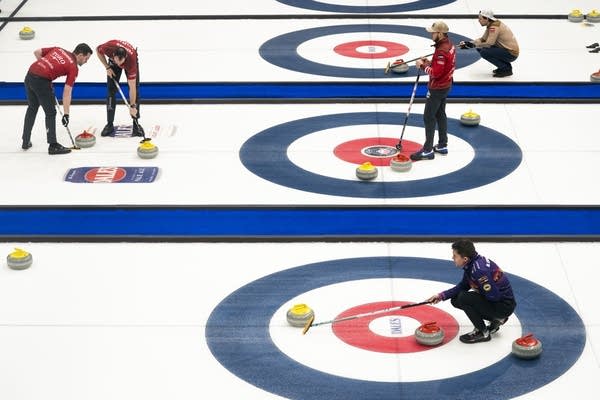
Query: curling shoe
x=26 y=146
x=443 y=150
x=496 y=324
x=476 y=336
x=108 y=130
x=422 y=155
x=57 y=148
x=502 y=73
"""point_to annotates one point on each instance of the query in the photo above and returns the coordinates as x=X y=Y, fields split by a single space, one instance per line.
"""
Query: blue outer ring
x=237 y=334
x=265 y=154
x=321 y=6
x=282 y=51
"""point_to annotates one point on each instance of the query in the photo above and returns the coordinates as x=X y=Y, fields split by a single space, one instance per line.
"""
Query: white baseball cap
x=489 y=14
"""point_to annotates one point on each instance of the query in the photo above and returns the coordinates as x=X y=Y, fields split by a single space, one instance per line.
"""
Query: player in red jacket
x=440 y=70
x=52 y=62
x=116 y=56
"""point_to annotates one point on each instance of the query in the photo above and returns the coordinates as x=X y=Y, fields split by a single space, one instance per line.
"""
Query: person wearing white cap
x=498 y=44
x=440 y=70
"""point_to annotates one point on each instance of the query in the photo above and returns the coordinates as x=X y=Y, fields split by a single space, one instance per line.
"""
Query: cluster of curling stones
x=402 y=163
x=527 y=347
x=577 y=16
x=299 y=314
x=145 y=150
x=399 y=163
x=19 y=259
x=26 y=33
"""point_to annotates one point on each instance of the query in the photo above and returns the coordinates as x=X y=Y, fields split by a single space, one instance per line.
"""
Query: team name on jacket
x=55 y=62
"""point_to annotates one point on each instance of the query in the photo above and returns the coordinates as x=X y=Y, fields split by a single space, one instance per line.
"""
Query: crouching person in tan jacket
x=498 y=44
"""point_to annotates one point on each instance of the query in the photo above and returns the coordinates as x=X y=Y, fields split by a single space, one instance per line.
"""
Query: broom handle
x=386 y=310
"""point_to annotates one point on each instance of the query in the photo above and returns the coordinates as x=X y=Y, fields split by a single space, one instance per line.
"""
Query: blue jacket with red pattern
x=483 y=276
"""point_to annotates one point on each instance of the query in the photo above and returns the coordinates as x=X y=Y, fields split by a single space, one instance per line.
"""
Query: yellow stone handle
x=300 y=309
x=19 y=253
x=366 y=166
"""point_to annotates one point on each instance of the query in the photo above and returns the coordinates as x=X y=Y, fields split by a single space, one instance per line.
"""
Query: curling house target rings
x=324 y=6
x=244 y=346
x=353 y=49
x=282 y=50
x=357 y=333
x=486 y=167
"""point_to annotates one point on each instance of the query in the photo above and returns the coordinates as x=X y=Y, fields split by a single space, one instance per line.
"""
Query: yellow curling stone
x=26 y=33
x=19 y=259
x=366 y=171
x=147 y=150
x=576 y=16
x=593 y=16
x=299 y=315
x=470 y=118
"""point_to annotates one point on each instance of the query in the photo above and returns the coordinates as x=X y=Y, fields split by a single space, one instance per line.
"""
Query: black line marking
x=11 y=16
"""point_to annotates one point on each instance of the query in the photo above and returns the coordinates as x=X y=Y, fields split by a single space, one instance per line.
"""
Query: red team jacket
x=442 y=65
x=56 y=62
x=131 y=63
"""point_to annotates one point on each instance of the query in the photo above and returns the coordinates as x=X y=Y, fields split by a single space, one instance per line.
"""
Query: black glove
x=65 y=120
x=467 y=45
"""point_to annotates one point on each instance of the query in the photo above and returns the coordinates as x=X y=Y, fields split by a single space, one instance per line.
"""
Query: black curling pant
x=479 y=309
x=112 y=90
x=39 y=93
x=435 y=113
x=498 y=56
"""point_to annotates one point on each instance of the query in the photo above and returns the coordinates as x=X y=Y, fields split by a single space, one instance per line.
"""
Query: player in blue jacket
x=484 y=293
